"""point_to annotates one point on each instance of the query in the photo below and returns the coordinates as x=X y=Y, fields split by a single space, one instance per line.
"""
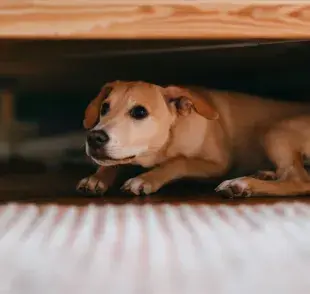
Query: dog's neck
x=154 y=158
x=184 y=140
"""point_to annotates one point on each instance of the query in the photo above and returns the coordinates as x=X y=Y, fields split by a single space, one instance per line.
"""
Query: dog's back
x=246 y=119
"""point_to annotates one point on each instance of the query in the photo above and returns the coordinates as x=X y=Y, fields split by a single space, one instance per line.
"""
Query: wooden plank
x=90 y=19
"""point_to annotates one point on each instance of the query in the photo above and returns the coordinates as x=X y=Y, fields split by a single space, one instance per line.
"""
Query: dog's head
x=128 y=120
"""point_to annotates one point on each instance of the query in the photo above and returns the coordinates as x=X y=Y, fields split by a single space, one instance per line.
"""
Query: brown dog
x=181 y=132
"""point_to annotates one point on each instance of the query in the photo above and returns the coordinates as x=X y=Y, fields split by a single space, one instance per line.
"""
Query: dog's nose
x=97 y=139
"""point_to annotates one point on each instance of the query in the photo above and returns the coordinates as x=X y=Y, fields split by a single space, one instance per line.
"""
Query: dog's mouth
x=101 y=157
x=108 y=160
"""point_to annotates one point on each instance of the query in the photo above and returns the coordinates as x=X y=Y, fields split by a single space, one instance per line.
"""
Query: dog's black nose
x=97 y=139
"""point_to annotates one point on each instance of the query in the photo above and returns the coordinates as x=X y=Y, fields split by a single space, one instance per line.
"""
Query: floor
x=30 y=183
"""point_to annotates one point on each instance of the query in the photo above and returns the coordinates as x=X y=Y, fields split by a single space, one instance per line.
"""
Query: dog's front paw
x=239 y=187
x=92 y=185
x=140 y=186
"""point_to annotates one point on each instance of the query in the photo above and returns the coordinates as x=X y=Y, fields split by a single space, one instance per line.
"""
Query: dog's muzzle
x=97 y=141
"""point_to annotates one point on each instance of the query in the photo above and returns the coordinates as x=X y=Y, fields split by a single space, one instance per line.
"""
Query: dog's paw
x=92 y=185
x=239 y=187
x=138 y=186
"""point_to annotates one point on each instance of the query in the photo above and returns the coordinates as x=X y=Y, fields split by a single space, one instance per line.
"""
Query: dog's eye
x=105 y=107
x=138 y=112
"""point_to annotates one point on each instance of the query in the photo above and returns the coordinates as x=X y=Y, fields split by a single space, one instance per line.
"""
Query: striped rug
x=164 y=249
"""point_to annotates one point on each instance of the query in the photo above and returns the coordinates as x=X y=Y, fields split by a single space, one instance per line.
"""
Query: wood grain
x=90 y=19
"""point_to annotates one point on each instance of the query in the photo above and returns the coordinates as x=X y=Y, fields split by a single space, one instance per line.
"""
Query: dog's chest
x=174 y=150
x=151 y=160
x=186 y=150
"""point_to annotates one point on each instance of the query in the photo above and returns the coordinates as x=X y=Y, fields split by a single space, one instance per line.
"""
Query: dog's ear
x=91 y=115
x=92 y=112
x=185 y=101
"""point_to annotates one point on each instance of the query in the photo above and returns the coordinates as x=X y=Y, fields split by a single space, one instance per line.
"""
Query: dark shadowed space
x=55 y=80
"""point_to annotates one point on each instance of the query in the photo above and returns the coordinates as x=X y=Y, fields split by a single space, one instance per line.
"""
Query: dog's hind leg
x=266 y=175
x=285 y=147
x=251 y=187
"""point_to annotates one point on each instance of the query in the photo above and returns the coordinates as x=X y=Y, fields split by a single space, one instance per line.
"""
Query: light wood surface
x=154 y=19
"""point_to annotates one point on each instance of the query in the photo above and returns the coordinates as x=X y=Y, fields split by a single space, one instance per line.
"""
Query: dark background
x=56 y=79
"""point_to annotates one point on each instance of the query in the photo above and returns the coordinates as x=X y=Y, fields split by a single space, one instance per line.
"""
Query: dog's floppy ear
x=92 y=112
x=185 y=101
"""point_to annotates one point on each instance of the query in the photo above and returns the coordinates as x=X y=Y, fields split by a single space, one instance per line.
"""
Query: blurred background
x=46 y=85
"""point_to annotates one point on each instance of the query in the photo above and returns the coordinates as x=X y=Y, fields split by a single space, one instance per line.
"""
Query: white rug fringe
x=160 y=249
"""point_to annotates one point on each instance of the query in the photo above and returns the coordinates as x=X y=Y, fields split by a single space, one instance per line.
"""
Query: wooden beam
x=114 y=19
